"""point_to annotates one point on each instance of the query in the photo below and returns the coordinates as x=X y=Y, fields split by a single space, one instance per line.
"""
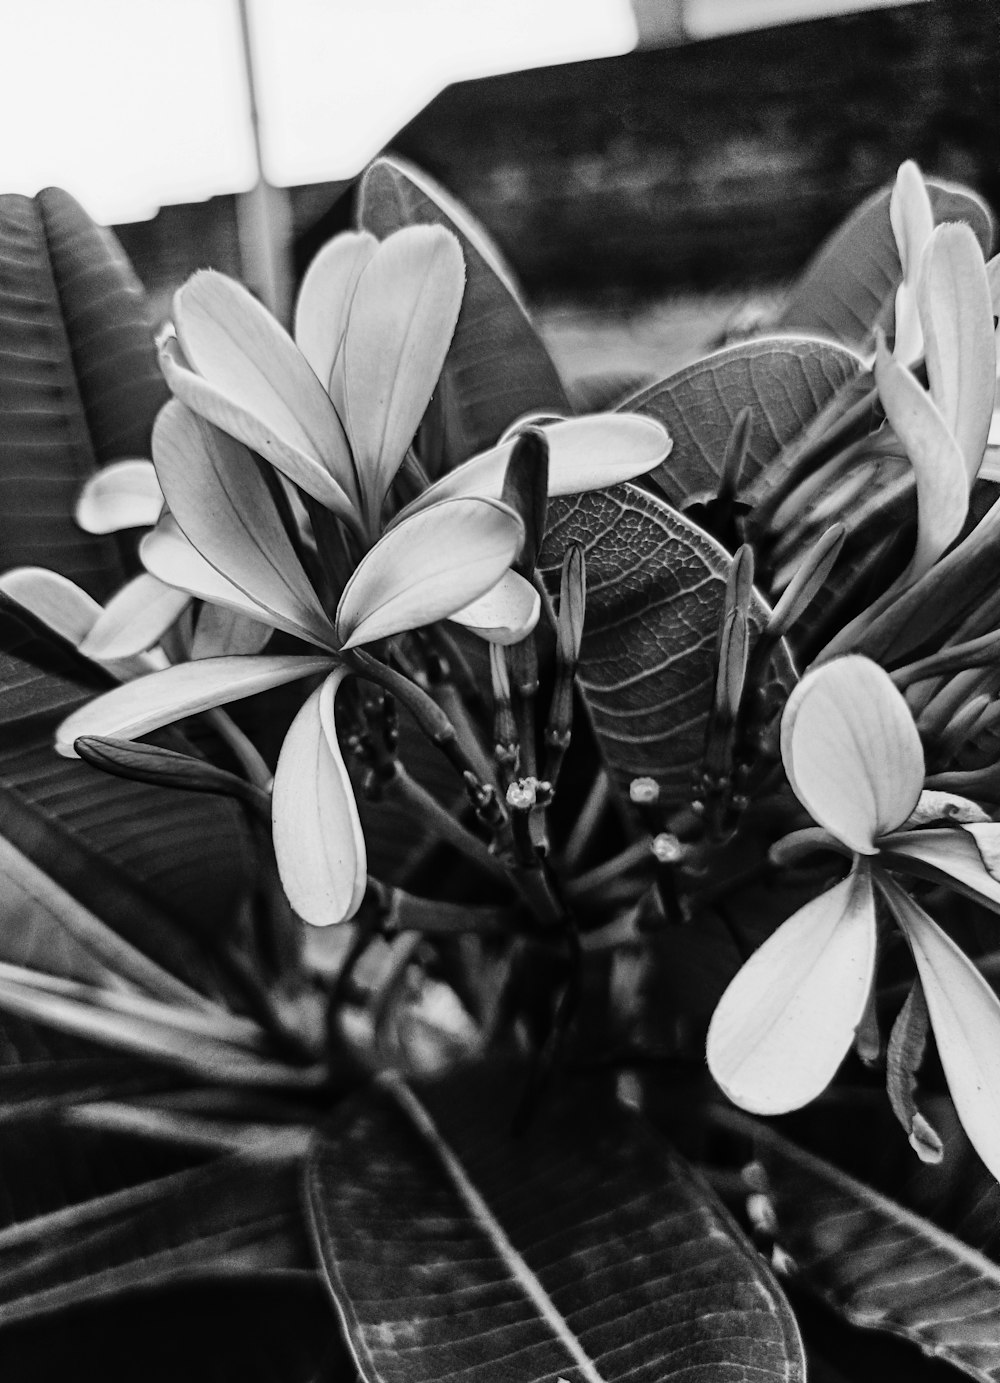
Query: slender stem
x=587 y=821
x=250 y=760
x=414 y=795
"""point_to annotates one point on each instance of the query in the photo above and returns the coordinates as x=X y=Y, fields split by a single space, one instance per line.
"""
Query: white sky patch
x=134 y=104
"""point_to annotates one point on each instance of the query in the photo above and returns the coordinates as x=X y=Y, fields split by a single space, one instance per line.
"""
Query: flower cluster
x=265 y=436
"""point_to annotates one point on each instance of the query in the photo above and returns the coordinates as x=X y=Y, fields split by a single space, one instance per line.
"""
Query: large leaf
x=784 y=382
x=79 y=386
x=655 y=589
x=583 y=1249
x=497 y=367
x=880 y=1264
x=850 y=284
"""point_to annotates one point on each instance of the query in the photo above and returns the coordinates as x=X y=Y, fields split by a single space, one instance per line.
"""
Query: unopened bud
x=572 y=605
x=737 y=447
x=526 y=490
x=815 y=568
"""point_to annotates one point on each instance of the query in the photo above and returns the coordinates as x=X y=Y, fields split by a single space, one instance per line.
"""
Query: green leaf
x=876 y=1262
x=497 y=367
x=785 y=382
x=850 y=285
x=237 y=1217
x=655 y=592
x=583 y=1248
x=79 y=386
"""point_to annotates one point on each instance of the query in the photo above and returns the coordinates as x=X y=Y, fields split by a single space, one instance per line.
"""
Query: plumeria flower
x=944 y=428
x=854 y=760
x=336 y=409
x=224 y=542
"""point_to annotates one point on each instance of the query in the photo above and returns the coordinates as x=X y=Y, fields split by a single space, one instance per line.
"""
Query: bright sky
x=134 y=104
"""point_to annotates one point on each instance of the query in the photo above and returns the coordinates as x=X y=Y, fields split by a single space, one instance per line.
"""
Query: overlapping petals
x=853 y=757
x=944 y=428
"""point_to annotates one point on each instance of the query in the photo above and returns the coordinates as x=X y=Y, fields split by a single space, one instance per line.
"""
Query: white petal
x=939 y=467
x=851 y=751
x=427 y=567
x=507 y=613
x=950 y=852
x=125 y=494
x=300 y=466
x=163 y=697
x=54 y=600
x=325 y=300
x=912 y=219
x=167 y=554
x=222 y=504
x=318 y=841
x=957 y=316
x=588 y=453
x=220 y=631
x=401 y=323
x=965 y=1016
x=788 y=1018
x=134 y=619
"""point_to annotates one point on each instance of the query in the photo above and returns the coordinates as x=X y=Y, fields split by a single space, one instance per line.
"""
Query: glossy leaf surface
x=582 y=1249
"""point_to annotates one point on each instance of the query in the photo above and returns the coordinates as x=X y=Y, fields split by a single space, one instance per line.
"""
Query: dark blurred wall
x=711 y=164
x=722 y=161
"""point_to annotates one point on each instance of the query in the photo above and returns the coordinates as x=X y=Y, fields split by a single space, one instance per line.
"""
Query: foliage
x=564 y=750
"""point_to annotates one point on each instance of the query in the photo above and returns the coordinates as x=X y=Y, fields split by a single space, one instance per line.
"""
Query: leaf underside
x=582 y=1249
x=655 y=590
x=784 y=382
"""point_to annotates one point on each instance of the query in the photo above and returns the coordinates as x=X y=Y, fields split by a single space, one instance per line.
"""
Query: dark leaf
x=655 y=591
x=79 y=386
x=152 y=763
x=851 y=283
x=784 y=382
x=877 y=1263
x=155 y=865
x=583 y=1249
x=497 y=367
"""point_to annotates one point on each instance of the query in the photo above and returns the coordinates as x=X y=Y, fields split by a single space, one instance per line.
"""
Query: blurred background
x=654 y=170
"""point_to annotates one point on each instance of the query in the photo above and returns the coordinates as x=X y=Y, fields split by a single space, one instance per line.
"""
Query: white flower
x=854 y=759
